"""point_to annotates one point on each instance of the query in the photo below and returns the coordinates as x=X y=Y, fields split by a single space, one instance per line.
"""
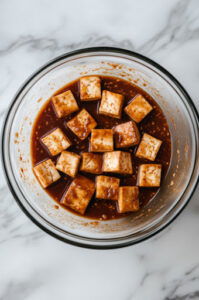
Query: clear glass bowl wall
x=181 y=178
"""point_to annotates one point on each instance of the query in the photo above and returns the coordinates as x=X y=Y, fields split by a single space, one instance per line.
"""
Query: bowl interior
x=183 y=134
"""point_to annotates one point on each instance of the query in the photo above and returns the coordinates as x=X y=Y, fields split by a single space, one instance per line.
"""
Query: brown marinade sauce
x=154 y=124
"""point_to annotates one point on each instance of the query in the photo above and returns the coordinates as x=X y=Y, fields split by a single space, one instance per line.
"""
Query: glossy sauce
x=154 y=124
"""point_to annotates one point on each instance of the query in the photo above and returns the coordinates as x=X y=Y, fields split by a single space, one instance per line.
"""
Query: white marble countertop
x=36 y=266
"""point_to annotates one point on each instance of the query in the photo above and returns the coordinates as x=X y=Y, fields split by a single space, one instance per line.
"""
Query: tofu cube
x=126 y=135
x=56 y=141
x=101 y=140
x=68 y=163
x=107 y=187
x=149 y=147
x=128 y=199
x=111 y=104
x=79 y=194
x=117 y=162
x=46 y=173
x=91 y=163
x=82 y=124
x=149 y=175
x=90 y=88
x=64 y=104
x=138 y=108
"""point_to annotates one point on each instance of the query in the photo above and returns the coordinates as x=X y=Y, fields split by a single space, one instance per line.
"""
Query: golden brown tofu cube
x=79 y=194
x=117 y=162
x=91 y=163
x=149 y=175
x=64 y=104
x=68 y=163
x=107 y=187
x=82 y=124
x=126 y=135
x=149 y=147
x=111 y=104
x=56 y=141
x=46 y=173
x=138 y=108
x=128 y=199
x=101 y=140
x=90 y=88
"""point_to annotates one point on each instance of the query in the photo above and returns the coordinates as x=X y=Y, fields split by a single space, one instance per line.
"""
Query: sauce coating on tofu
x=153 y=124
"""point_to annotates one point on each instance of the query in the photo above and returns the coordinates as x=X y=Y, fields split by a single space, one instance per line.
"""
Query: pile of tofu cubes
x=105 y=154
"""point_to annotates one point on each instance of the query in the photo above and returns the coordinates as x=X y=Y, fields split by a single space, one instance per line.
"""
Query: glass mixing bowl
x=177 y=187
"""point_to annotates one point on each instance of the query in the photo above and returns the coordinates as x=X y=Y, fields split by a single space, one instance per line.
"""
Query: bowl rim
x=42 y=68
